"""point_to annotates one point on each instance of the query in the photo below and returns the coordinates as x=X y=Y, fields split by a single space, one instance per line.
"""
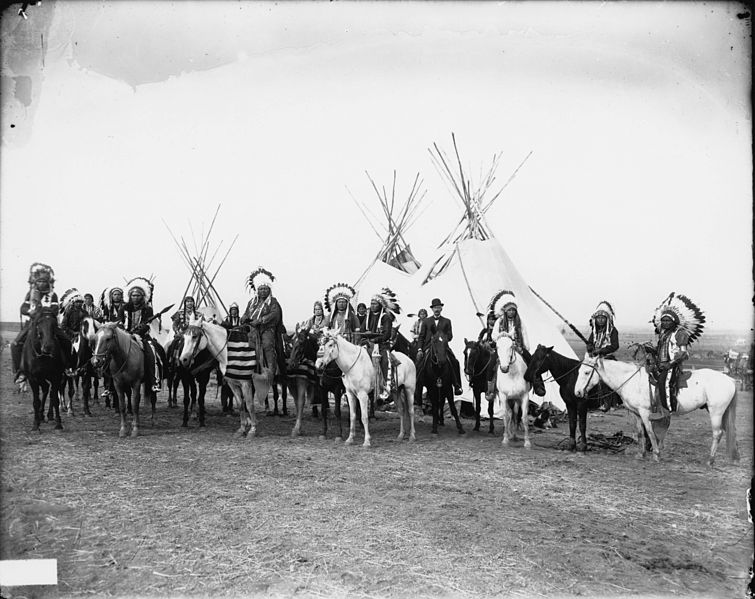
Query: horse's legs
x=313 y=388
x=454 y=411
x=525 y=407
x=364 y=402
x=491 y=410
x=275 y=398
x=508 y=422
x=284 y=396
x=236 y=392
x=352 y=417
x=582 y=413
x=718 y=431
x=122 y=396
x=37 y=404
x=249 y=399
x=137 y=403
x=435 y=398
x=300 y=397
x=86 y=392
x=337 y=395
x=187 y=397
x=476 y=393
x=573 y=411
x=408 y=410
x=202 y=382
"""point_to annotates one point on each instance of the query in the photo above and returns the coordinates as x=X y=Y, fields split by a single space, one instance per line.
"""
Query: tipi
x=394 y=266
x=471 y=266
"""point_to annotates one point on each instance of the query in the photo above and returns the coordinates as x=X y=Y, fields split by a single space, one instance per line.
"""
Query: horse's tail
x=729 y=425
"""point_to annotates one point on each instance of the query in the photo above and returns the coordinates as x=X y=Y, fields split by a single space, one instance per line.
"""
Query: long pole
x=556 y=312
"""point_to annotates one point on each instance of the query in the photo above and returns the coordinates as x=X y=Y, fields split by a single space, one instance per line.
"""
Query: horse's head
x=506 y=352
x=43 y=326
x=588 y=375
x=439 y=347
x=88 y=329
x=194 y=341
x=104 y=339
x=471 y=354
x=304 y=345
x=537 y=362
x=328 y=349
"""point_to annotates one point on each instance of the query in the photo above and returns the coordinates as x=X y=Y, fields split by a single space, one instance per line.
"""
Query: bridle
x=512 y=359
x=33 y=329
x=196 y=349
x=338 y=350
x=97 y=356
x=484 y=368
x=595 y=370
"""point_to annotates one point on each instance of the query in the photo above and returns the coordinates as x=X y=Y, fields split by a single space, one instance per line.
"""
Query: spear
x=571 y=326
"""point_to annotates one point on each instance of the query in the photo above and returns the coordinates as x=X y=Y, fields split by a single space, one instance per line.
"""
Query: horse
x=408 y=348
x=359 y=379
x=89 y=379
x=705 y=388
x=124 y=357
x=194 y=380
x=303 y=379
x=280 y=379
x=438 y=378
x=512 y=389
x=237 y=360
x=43 y=362
x=479 y=366
x=564 y=371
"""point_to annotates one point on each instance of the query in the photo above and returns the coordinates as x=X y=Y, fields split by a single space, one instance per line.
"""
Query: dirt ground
x=190 y=512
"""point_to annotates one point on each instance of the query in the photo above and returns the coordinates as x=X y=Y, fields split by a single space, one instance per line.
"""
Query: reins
x=110 y=351
x=196 y=350
x=484 y=368
x=594 y=370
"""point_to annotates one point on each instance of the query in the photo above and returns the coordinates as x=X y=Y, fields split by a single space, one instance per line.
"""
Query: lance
x=159 y=314
x=571 y=326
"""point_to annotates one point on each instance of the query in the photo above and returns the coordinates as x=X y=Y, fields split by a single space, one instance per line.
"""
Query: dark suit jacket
x=429 y=328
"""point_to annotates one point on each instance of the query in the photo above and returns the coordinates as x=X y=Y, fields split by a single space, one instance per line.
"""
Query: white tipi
x=471 y=266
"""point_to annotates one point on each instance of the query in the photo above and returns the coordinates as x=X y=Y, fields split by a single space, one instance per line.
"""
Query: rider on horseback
x=183 y=316
x=438 y=323
x=604 y=341
x=111 y=304
x=341 y=315
x=510 y=324
x=383 y=309
x=233 y=319
x=135 y=316
x=265 y=317
x=486 y=335
x=89 y=307
x=40 y=295
x=318 y=321
x=678 y=322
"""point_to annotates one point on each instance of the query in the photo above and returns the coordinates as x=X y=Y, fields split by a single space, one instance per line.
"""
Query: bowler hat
x=436 y=302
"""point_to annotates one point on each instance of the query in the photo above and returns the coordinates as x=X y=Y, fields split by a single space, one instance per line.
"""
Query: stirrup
x=20 y=378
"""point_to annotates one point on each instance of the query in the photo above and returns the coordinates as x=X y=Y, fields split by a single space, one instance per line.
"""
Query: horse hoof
x=238 y=433
x=505 y=442
x=639 y=456
x=349 y=442
x=251 y=434
x=134 y=433
x=202 y=428
x=337 y=440
x=527 y=445
x=87 y=413
x=58 y=427
x=462 y=431
x=321 y=437
x=581 y=447
x=122 y=434
x=656 y=458
x=412 y=439
x=476 y=428
x=366 y=444
x=184 y=424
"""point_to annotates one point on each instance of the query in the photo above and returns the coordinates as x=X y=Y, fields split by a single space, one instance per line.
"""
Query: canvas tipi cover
x=476 y=271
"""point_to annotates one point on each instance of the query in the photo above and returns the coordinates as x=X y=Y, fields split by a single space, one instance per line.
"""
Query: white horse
x=704 y=388
x=359 y=378
x=201 y=335
x=512 y=389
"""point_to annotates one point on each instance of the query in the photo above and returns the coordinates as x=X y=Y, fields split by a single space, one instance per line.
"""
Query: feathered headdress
x=261 y=277
x=106 y=298
x=502 y=300
x=603 y=309
x=684 y=312
x=70 y=296
x=337 y=291
x=39 y=270
x=141 y=283
x=388 y=300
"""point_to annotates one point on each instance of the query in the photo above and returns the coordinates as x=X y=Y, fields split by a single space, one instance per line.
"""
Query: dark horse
x=479 y=366
x=194 y=380
x=43 y=361
x=438 y=378
x=565 y=372
x=305 y=382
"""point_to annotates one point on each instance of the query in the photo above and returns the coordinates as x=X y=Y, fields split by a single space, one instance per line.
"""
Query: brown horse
x=43 y=362
x=124 y=356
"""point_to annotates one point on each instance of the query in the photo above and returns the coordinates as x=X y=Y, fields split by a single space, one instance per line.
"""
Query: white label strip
x=27 y=572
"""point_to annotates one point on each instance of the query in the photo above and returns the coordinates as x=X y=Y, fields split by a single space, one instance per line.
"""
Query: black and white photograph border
x=556 y=177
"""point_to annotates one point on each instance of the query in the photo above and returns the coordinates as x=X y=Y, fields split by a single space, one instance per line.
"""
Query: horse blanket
x=242 y=357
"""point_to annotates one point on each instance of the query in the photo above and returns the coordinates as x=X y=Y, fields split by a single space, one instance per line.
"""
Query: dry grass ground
x=184 y=512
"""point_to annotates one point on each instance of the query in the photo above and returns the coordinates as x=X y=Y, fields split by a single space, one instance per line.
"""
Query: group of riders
x=131 y=308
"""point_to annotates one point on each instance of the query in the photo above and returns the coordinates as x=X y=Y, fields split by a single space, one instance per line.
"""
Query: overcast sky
x=637 y=116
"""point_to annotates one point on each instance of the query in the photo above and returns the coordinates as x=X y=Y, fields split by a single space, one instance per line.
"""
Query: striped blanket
x=242 y=357
x=305 y=369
